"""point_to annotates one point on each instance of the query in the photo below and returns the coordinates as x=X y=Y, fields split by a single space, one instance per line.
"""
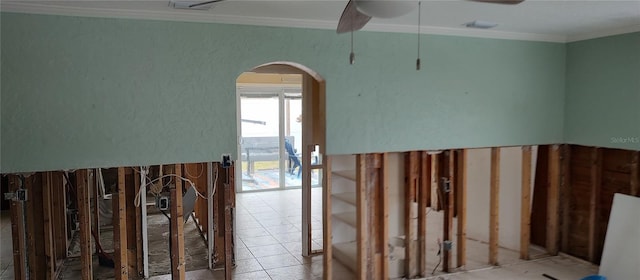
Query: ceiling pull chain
x=419 y=15
x=352 y=56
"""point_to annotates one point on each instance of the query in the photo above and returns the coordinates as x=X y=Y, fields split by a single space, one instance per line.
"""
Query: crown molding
x=205 y=17
x=604 y=33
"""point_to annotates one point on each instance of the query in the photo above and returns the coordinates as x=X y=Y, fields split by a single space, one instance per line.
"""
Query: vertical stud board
x=137 y=220
x=635 y=174
x=494 y=204
x=461 y=195
x=594 y=195
x=96 y=208
x=553 y=200
x=120 y=228
x=448 y=209
x=47 y=215
x=361 y=218
x=424 y=193
x=412 y=173
x=377 y=217
x=59 y=204
x=525 y=203
x=565 y=194
x=35 y=226
x=18 y=232
x=177 y=227
x=84 y=218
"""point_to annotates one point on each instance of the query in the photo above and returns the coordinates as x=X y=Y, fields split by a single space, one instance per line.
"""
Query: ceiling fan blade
x=204 y=3
x=508 y=2
x=352 y=19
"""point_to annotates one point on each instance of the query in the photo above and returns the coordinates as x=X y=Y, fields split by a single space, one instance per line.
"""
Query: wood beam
x=635 y=174
x=47 y=214
x=412 y=173
x=18 y=231
x=120 y=228
x=177 y=228
x=461 y=195
x=525 y=203
x=327 y=271
x=139 y=264
x=424 y=192
x=96 y=208
x=361 y=218
x=383 y=215
x=35 y=226
x=594 y=197
x=435 y=183
x=494 y=204
x=553 y=200
x=448 y=211
x=229 y=199
x=565 y=193
x=84 y=218
x=59 y=204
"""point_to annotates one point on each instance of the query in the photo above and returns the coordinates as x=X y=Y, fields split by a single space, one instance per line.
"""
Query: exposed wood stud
x=494 y=204
x=461 y=191
x=594 y=196
x=525 y=203
x=412 y=172
x=361 y=218
x=96 y=208
x=120 y=228
x=59 y=204
x=553 y=200
x=424 y=192
x=448 y=210
x=384 y=216
x=84 y=218
x=48 y=225
x=635 y=174
x=177 y=227
x=228 y=228
x=18 y=232
x=435 y=183
x=326 y=220
x=139 y=265
x=565 y=194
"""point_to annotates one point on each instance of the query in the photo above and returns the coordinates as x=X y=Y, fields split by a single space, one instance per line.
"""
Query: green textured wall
x=603 y=92
x=89 y=92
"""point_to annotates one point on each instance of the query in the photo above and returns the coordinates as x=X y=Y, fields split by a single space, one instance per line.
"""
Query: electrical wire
x=186 y=170
x=151 y=182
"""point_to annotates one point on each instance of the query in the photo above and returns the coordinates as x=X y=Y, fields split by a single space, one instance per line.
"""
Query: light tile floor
x=269 y=237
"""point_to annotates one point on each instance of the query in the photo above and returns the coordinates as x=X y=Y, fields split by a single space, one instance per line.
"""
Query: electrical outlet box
x=162 y=203
x=447 y=245
x=226 y=160
x=445 y=184
x=18 y=195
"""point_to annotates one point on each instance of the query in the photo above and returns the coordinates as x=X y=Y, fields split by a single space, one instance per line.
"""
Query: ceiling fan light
x=384 y=9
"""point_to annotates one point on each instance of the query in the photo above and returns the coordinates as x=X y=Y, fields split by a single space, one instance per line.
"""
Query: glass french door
x=270 y=139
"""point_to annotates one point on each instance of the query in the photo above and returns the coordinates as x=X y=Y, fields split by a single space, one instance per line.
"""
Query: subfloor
x=159 y=260
x=6 y=246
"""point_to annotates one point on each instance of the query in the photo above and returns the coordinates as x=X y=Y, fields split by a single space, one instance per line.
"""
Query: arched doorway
x=308 y=145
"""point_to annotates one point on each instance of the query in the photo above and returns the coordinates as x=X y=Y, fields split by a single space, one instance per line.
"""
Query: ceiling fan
x=358 y=12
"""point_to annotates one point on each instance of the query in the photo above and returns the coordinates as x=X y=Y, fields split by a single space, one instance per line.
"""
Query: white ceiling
x=541 y=20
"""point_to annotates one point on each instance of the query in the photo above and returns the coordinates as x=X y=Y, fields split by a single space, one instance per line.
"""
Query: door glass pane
x=260 y=143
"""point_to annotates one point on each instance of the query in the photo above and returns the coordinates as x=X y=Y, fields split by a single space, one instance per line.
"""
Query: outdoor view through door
x=271 y=137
